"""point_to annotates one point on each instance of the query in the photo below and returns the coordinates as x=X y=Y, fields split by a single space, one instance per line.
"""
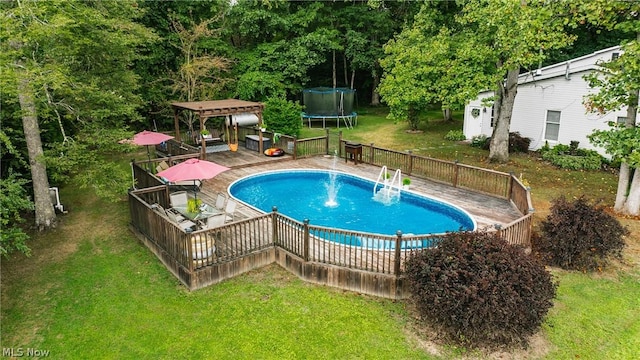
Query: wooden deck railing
x=298 y=148
x=172 y=147
x=224 y=254
x=368 y=263
x=452 y=173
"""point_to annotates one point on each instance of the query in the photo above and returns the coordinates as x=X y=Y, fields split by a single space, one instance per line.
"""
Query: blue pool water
x=305 y=194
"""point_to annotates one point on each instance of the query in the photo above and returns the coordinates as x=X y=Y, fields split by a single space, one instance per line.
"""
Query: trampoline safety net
x=325 y=101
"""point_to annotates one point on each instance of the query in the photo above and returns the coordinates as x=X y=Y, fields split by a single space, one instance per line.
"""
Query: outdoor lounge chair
x=230 y=210
x=162 y=166
x=212 y=137
x=179 y=199
x=168 y=212
x=184 y=224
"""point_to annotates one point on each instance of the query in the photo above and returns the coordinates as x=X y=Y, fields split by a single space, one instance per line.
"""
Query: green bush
x=455 y=135
x=480 y=290
x=571 y=157
x=480 y=141
x=282 y=116
x=15 y=203
x=579 y=235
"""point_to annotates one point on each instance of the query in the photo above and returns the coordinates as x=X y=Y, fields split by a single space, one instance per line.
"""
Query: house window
x=621 y=120
x=615 y=55
x=552 y=128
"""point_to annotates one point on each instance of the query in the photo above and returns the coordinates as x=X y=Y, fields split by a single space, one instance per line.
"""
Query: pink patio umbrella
x=192 y=169
x=150 y=138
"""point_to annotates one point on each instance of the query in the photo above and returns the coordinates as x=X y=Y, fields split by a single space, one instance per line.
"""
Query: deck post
x=187 y=237
x=511 y=185
x=295 y=147
x=340 y=144
x=371 y=160
x=274 y=225
x=455 y=174
x=410 y=167
x=305 y=250
x=326 y=142
x=396 y=263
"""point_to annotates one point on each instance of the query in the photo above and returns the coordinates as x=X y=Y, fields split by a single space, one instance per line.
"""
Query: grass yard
x=91 y=290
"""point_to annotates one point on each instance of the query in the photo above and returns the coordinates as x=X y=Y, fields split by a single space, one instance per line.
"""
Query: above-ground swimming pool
x=344 y=201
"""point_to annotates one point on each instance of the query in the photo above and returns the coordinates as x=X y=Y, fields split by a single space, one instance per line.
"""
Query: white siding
x=558 y=88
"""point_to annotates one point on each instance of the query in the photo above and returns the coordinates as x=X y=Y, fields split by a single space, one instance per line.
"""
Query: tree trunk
x=412 y=115
x=446 y=114
x=499 y=147
x=632 y=202
x=375 y=96
x=45 y=213
x=632 y=206
x=353 y=78
x=346 y=71
x=623 y=187
x=626 y=171
x=335 y=75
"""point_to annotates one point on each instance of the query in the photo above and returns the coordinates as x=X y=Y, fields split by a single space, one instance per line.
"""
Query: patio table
x=205 y=212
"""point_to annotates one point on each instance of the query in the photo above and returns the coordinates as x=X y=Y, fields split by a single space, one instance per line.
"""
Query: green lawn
x=91 y=290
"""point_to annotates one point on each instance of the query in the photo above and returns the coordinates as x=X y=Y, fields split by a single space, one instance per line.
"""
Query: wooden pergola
x=216 y=108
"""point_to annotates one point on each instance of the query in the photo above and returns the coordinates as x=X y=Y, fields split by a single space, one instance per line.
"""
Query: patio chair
x=184 y=224
x=179 y=198
x=214 y=221
x=220 y=200
x=162 y=166
x=174 y=213
x=230 y=210
x=164 y=212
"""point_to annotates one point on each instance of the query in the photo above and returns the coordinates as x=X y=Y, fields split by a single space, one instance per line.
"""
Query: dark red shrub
x=579 y=235
x=517 y=143
x=480 y=290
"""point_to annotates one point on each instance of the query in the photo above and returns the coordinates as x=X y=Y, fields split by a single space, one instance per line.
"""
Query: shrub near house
x=572 y=157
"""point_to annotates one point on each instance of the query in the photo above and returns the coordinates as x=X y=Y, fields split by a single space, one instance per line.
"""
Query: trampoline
x=333 y=104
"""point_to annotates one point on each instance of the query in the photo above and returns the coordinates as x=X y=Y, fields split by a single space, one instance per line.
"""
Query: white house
x=549 y=105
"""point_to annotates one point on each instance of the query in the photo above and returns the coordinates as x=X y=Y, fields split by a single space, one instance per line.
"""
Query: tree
x=278 y=42
x=57 y=70
x=200 y=75
x=413 y=77
x=618 y=84
x=483 y=48
x=365 y=27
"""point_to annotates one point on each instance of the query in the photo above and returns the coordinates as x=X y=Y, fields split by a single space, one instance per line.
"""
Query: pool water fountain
x=331 y=186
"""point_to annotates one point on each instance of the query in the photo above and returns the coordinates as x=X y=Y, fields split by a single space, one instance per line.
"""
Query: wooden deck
x=254 y=240
x=485 y=209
